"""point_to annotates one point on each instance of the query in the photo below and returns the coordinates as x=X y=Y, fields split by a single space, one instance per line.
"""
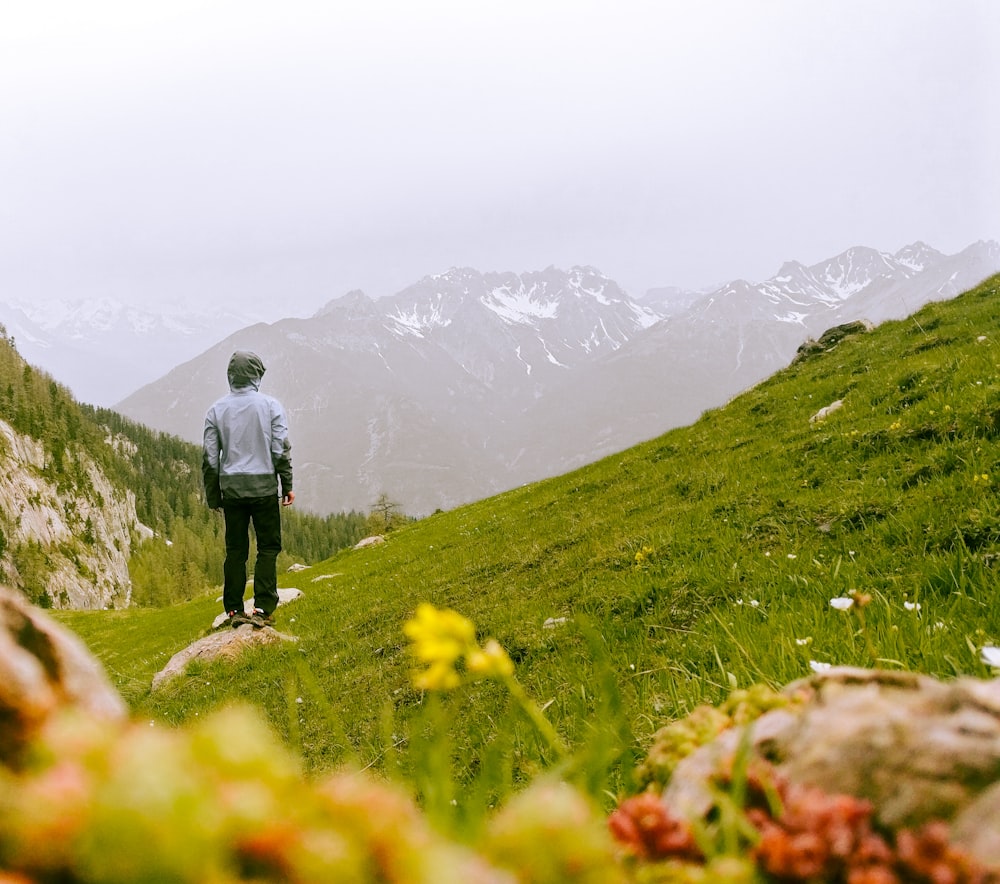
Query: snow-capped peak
x=849 y=272
x=918 y=256
x=521 y=304
x=790 y=270
x=417 y=319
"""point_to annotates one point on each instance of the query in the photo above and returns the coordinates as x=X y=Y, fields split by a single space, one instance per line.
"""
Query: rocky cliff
x=65 y=534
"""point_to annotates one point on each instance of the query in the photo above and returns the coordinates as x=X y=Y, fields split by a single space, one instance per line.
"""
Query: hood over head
x=245 y=369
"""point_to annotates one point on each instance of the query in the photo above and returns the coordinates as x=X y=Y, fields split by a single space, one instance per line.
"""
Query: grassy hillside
x=699 y=561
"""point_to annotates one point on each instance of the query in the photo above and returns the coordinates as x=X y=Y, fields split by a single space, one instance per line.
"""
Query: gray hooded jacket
x=246 y=452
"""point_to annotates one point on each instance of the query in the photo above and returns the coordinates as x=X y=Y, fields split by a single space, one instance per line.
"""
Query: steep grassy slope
x=701 y=560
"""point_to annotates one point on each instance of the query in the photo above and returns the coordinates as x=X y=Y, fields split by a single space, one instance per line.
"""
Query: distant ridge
x=103 y=349
x=469 y=383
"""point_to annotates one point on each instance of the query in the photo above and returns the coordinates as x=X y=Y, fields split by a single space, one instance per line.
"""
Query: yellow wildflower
x=490 y=661
x=439 y=636
x=440 y=676
x=446 y=642
x=643 y=556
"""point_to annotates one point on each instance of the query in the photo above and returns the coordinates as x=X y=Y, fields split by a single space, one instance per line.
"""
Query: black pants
x=265 y=514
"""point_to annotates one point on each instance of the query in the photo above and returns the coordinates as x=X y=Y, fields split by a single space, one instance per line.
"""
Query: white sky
x=290 y=151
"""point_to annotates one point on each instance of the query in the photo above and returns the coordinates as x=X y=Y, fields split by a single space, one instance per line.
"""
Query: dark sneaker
x=238 y=619
x=259 y=619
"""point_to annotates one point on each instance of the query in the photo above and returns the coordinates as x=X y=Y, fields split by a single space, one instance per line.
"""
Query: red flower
x=647 y=827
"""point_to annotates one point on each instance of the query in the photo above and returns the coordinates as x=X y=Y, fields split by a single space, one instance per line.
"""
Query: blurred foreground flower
x=219 y=802
x=490 y=661
x=439 y=636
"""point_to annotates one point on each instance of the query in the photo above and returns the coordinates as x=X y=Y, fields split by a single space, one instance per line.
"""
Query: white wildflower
x=842 y=603
x=990 y=656
x=816 y=666
x=911 y=606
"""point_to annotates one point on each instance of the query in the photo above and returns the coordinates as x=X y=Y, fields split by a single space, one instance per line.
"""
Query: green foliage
x=634 y=590
x=31 y=561
x=385 y=515
x=674 y=742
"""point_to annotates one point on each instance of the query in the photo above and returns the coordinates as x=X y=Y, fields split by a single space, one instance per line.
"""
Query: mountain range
x=468 y=383
x=103 y=349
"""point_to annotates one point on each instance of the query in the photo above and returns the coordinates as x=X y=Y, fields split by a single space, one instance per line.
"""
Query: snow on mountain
x=514 y=304
x=858 y=283
x=942 y=276
x=850 y=272
x=918 y=256
x=516 y=332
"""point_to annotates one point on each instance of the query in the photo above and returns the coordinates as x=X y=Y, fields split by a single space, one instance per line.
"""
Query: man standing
x=247 y=466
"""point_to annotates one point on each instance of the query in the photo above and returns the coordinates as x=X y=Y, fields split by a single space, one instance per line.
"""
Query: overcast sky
x=291 y=151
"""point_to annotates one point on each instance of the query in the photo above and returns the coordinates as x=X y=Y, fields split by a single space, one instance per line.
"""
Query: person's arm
x=210 y=462
x=281 y=452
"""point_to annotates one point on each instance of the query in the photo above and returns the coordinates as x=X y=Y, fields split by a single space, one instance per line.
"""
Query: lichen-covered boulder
x=919 y=749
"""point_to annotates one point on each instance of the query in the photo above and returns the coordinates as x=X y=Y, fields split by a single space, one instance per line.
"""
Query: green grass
x=697 y=562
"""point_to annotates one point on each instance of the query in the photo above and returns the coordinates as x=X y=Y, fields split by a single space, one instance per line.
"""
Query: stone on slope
x=226 y=644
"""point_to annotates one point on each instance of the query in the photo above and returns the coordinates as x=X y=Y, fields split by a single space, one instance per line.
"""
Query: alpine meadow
x=630 y=592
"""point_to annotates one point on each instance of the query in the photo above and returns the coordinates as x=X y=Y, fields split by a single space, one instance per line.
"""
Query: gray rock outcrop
x=84 y=530
x=225 y=644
